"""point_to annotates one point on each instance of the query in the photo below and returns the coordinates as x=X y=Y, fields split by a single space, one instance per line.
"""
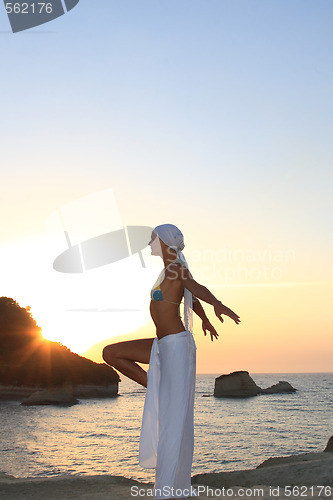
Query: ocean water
x=101 y=436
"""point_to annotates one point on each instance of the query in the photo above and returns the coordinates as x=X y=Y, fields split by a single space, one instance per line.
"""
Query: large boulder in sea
x=62 y=396
x=240 y=385
x=235 y=385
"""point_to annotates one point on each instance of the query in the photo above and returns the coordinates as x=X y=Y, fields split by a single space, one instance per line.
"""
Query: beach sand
x=275 y=478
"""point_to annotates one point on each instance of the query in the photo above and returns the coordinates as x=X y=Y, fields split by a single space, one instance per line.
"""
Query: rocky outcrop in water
x=36 y=395
x=62 y=396
x=235 y=385
x=240 y=385
x=281 y=386
x=86 y=391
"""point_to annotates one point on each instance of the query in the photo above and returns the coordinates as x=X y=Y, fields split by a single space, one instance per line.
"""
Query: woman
x=167 y=434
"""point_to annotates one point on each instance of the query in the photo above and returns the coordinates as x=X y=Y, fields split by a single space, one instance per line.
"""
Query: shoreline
x=81 y=391
x=310 y=471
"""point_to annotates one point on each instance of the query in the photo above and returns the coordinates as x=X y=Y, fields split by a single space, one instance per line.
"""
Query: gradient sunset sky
x=215 y=116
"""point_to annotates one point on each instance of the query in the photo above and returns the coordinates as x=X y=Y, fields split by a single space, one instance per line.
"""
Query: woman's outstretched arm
x=206 y=324
x=204 y=294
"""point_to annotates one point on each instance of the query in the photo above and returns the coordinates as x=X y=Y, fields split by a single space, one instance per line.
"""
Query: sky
x=215 y=116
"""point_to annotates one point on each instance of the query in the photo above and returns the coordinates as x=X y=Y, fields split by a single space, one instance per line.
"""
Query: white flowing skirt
x=167 y=432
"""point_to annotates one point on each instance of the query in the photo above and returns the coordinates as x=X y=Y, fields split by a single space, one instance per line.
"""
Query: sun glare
x=78 y=310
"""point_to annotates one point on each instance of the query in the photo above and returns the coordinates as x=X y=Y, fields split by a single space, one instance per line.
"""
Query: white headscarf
x=173 y=237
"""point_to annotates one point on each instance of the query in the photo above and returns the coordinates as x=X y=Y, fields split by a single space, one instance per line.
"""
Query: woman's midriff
x=166 y=319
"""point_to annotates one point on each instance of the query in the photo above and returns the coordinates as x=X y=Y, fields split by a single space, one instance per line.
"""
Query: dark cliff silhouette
x=27 y=359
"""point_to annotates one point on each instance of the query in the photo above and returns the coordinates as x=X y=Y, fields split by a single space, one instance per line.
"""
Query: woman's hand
x=206 y=325
x=220 y=309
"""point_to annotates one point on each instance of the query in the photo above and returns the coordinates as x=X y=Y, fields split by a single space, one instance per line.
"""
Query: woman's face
x=155 y=245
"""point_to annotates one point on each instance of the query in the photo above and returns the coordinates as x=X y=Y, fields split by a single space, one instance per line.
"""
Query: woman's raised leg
x=124 y=356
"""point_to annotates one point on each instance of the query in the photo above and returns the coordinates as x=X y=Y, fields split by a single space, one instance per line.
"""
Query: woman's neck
x=169 y=257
